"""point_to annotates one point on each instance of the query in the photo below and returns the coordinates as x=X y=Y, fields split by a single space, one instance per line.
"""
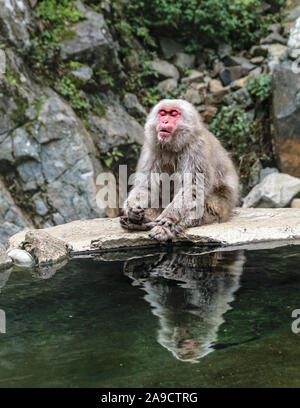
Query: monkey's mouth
x=164 y=133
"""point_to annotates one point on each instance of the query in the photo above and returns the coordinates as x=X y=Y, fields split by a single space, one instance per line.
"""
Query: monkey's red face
x=167 y=119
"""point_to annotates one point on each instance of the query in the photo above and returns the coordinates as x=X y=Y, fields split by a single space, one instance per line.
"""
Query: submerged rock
x=20 y=257
x=44 y=247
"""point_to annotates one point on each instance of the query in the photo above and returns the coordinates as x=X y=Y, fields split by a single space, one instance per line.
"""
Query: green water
x=164 y=320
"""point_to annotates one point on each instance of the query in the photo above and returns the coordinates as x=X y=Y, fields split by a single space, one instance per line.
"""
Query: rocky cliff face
x=286 y=100
x=49 y=156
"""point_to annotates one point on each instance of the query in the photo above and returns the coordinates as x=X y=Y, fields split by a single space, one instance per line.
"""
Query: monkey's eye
x=162 y=113
x=174 y=113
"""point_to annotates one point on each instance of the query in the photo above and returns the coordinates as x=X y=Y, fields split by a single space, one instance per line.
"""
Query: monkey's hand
x=163 y=230
x=136 y=214
x=127 y=225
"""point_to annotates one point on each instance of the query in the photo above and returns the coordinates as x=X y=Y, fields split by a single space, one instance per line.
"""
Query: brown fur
x=190 y=149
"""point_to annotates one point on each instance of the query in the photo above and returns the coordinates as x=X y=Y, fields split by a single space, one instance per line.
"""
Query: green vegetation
x=112 y=156
x=260 y=87
x=205 y=22
x=152 y=95
x=38 y=103
x=58 y=13
x=56 y=19
x=143 y=75
x=105 y=77
x=19 y=114
x=11 y=77
x=243 y=137
x=68 y=89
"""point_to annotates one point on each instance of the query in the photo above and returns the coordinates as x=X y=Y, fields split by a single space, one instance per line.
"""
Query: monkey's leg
x=185 y=211
x=174 y=218
x=217 y=209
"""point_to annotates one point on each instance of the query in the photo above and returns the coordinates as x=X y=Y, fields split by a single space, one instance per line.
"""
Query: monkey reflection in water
x=189 y=294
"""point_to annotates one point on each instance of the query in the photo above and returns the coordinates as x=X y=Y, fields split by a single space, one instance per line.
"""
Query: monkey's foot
x=136 y=214
x=163 y=231
x=126 y=224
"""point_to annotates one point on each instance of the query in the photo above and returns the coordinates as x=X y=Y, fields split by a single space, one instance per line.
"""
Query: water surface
x=177 y=319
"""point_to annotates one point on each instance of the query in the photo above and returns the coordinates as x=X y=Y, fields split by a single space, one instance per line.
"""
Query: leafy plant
x=105 y=77
x=238 y=22
x=75 y=65
x=151 y=96
x=68 y=89
x=112 y=156
x=57 y=18
x=242 y=137
x=58 y=15
x=260 y=87
x=11 y=77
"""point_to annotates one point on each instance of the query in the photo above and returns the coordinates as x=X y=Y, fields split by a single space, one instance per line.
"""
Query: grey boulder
x=286 y=117
x=108 y=132
x=15 y=22
x=275 y=191
x=92 y=42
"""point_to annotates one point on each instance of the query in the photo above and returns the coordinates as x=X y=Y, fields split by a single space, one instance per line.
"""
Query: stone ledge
x=247 y=226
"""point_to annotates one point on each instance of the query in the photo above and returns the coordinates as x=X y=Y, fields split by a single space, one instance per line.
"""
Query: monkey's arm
x=137 y=201
x=139 y=197
x=193 y=207
x=186 y=209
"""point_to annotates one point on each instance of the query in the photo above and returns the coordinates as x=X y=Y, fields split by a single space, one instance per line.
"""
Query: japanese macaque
x=190 y=294
x=177 y=142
